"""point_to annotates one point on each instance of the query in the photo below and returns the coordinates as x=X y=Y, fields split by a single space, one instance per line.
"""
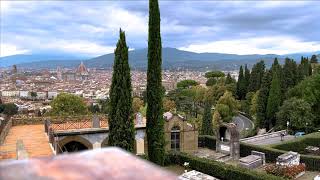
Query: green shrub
x=218 y=169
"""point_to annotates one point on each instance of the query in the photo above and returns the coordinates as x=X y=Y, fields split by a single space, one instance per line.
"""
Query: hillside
x=172 y=59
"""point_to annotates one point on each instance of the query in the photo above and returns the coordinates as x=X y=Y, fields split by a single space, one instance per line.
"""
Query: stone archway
x=73 y=144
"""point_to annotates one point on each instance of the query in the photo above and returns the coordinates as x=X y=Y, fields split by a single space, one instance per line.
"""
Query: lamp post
x=288 y=127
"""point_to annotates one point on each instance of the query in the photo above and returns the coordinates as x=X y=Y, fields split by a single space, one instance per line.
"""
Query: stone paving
x=34 y=139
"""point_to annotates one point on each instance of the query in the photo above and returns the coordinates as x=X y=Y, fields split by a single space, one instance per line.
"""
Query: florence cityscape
x=156 y=89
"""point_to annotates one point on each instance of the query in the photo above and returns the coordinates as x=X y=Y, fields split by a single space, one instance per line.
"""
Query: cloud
x=195 y=25
x=9 y=49
x=262 y=45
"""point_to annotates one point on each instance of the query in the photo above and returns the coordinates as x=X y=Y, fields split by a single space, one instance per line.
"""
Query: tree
x=216 y=120
x=211 y=82
x=314 y=59
x=121 y=125
x=289 y=74
x=227 y=107
x=155 y=121
x=309 y=91
x=33 y=95
x=105 y=106
x=168 y=105
x=10 y=109
x=262 y=100
x=298 y=112
x=274 y=100
x=207 y=127
x=229 y=79
x=213 y=77
x=254 y=106
x=187 y=83
x=214 y=93
x=214 y=74
x=256 y=76
x=241 y=85
x=68 y=104
x=247 y=102
x=137 y=103
x=246 y=77
x=304 y=68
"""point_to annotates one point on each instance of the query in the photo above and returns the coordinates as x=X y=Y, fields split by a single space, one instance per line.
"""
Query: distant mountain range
x=172 y=59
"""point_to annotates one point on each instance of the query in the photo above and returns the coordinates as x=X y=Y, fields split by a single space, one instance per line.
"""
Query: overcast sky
x=91 y=28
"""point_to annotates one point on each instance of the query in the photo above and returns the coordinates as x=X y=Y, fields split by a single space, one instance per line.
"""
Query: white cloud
x=133 y=23
x=262 y=45
x=10 y=49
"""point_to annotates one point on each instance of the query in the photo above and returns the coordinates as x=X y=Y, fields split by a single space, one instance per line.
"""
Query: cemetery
x=224 y=157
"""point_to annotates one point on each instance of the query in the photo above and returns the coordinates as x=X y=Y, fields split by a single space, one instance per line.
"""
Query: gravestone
x=196 y=175
x=95 y=122
x=227 y=141
x=288 y=159
x=254 y=160
x=313 y=150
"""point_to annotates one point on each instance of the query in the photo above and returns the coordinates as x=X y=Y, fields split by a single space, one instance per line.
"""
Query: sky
x=91 y=28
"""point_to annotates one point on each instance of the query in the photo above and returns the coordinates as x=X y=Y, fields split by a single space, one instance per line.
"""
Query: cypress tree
x=121 y=125
x=314 y=59
x=155 y=121
x=263 y=100
x=289 y=74
x=246 y=77
x=207 y=126
x=274 y=99
x=256 y=76
x=241 y=86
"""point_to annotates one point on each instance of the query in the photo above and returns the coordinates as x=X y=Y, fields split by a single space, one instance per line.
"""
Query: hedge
x=218 y=169
x=300 y=144
x=312 y=162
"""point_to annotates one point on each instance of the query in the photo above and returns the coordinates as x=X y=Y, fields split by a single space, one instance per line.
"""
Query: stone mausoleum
x=179 y=135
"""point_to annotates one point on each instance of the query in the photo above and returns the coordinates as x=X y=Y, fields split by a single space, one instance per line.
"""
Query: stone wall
x=4 y=129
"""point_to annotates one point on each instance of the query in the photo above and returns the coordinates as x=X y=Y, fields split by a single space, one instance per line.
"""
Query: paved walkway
x=34 y=139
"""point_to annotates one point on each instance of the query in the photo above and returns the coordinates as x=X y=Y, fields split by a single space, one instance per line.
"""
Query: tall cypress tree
x=246 y=77
x=155 y=121
x=263 y=100
x=121 y=125
x=241 y=86
x=274 y=99
x=289 y=74
x=207 y=126
x=256 y=76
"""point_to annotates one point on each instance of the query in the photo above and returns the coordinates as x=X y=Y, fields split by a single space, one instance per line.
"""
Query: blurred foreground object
x=107 y=163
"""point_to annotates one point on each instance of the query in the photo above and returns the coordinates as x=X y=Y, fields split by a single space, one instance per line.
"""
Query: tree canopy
x=297 y=112
x=68 y=104
x=187 y=83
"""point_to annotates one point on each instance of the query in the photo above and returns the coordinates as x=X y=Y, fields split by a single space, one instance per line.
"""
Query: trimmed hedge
x=218 y=169
x=207 y=141
x=299 y=144
x=312 y=162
